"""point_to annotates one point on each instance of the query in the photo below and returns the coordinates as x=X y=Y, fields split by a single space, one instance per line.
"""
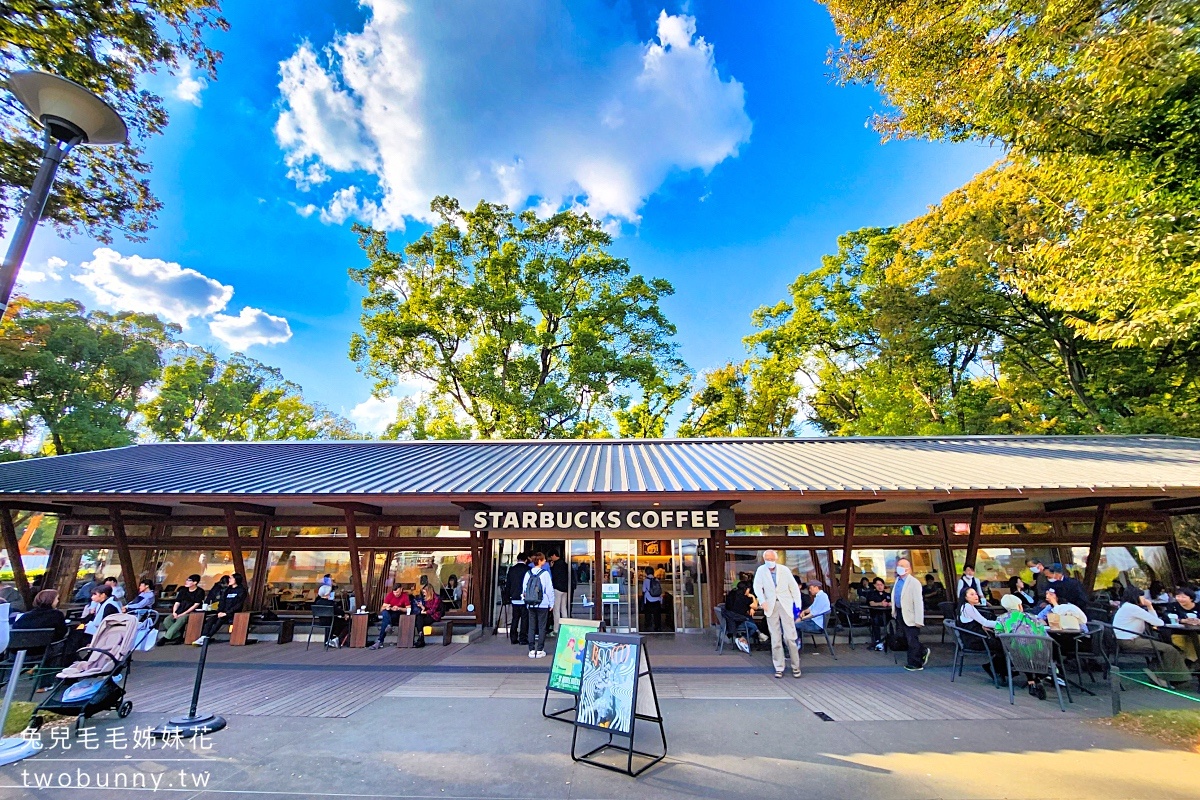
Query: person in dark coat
x=1069 y=590
x=231 y=603
x=514 y=583
x=44 y=614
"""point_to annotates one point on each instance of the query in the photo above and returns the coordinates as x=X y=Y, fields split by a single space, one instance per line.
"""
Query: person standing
x=968 y=581
x=560 y=577
x=514 y=587
x=538 y=595
x=908 y=609
x=779 y=594
x=652 y=600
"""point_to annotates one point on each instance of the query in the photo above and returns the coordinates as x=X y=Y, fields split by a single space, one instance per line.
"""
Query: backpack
x=532 y=593
x=655 y=589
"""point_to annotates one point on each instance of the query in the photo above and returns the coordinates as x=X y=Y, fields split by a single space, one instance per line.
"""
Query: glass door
x=619 y=585
x=583 y=569
x=690 y=580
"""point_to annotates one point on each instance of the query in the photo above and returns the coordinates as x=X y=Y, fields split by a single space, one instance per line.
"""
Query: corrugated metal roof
x=617 y=466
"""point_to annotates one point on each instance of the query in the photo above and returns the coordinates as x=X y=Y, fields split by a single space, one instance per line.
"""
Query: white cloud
x=250 y=327
x=50 y=271
x=189 y=85
x=548 y=104
x=152 y=285
x=374 y=415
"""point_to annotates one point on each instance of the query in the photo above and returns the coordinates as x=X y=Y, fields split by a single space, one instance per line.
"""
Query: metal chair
x=1037 y=655
x=1114 y=654
x=824 y=622
x=719 y=625
x=947 y=610
x=29 y=639
x=321 y=618
x=963 y=639
x=847 y=618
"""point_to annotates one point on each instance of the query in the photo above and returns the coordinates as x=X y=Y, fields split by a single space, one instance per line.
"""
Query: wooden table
x=406 y=629
x=358 y=629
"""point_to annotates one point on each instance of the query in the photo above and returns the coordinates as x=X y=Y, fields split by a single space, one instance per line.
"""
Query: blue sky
x=708 y=135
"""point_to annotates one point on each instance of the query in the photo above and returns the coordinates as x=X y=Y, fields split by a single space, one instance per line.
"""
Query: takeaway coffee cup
x=1173 y=619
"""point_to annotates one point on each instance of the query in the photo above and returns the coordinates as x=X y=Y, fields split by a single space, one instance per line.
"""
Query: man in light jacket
x=778 y=594
x=908 y=609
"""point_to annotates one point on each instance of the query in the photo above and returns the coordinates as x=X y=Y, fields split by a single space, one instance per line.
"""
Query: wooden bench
x=245 y=621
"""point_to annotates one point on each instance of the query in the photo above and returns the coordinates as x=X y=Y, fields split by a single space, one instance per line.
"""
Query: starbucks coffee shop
x=696 y=512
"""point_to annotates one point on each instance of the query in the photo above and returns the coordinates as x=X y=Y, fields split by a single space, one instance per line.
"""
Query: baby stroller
x=98 y=683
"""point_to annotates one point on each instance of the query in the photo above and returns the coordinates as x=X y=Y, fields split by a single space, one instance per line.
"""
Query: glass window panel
x=142 y=531
x=308 y=530
x=774 y=530
x=997 y=564
x=742 y=564
x=244 y=531
x=1085 y=528
x=412 y=569
x=173 y=567
x=889 y=530
x=1136 y=566
x=870 y=564
x=294 y=575
x=424 y=531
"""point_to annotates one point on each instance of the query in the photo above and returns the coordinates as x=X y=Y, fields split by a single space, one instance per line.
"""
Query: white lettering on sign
x=666 y=519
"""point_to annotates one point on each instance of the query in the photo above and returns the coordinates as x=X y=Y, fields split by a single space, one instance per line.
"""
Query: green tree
x=1097 y=105
x=108 y=46
x=422 y=419
x=77 y=375
x=529 y=326
x=755 y=398
x=203 y=398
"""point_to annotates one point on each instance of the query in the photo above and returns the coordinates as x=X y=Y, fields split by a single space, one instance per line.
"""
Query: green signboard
x=610 y=592
x=566 y=670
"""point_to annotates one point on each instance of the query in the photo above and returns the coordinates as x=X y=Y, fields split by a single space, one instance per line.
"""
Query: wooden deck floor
x=289 y=681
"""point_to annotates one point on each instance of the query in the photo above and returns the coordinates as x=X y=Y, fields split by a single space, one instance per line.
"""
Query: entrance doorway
x=679 y=565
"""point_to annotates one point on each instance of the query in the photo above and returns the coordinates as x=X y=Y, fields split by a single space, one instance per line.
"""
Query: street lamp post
x=70 y=115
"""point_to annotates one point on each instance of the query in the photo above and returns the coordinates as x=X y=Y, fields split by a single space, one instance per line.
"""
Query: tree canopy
x=527 y=327
x=108 y=46
x=83 y=380
x=1098 y=107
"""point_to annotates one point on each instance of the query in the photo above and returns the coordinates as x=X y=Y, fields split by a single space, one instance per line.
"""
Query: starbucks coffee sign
x=655 y=519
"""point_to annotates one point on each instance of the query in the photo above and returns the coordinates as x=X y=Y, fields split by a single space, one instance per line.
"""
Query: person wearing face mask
x=968 y=581
x=778 y=594
x=1039 y=579
x=908 y=609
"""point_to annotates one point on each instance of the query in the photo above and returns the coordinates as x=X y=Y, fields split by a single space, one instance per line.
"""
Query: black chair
x=824 y=623
x=947 y=610
x=719 y=624
x=322 y=617
x=1037 y=655
x=847 y=618
x=968 y=644
x=1090 y=652
x=38 y=639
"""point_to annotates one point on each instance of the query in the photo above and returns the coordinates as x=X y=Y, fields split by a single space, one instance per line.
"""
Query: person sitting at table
x=188 y=598
x=740 y=605
x=1068 y=589
x=879 y=605
x=145 y=599
x=44 y=614
x=1017 y=621
x=813 y=618
x=231 y=602
x=1185 y=608
x=1055 y=606
x=1018 y=588
x=213 y=598
x=968 y=581
x=452 y=593
x=117 y=590
x=326 y=605
x=429 y=611
x=974 y=617
x=863 y=587
x=932 y=592
x=1129 y=623
x=395 y=603
x=103 y=604
x=1158 y=593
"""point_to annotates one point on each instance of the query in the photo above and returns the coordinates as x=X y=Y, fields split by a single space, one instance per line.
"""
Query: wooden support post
x=599 y=575
x=479 y=573
x=973 y=539
x=1179 y=574
x=948 y=561
x=13 y=546
x=1099 y=525
x=258 y=587
x=128 y=576
x=716 y=568
x=356 y=580
x=847 y=544
x=235 y=544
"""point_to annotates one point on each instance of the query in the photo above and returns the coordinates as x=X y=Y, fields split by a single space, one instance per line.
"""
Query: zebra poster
x=610 y=679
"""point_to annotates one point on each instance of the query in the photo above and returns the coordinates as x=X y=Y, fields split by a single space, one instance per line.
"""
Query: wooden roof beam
x=1177 y=504
x=125 y=505
x=361 y=508
x=241 y=508
x=961 y=505
x=1090 y=502
x=844 y=505
x=45 y=508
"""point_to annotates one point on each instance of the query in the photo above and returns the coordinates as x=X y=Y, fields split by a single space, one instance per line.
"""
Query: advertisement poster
x=610 y=671
x=566 y=670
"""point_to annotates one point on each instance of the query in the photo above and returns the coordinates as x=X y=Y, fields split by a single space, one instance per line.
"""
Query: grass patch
x=18 y=717
x=1175 y=728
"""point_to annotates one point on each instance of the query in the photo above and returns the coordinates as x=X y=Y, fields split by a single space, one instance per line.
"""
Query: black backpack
x=655 y=589
x=532 y=593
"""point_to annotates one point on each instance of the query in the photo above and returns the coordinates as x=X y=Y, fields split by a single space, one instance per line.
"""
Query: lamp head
x=66 y=109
